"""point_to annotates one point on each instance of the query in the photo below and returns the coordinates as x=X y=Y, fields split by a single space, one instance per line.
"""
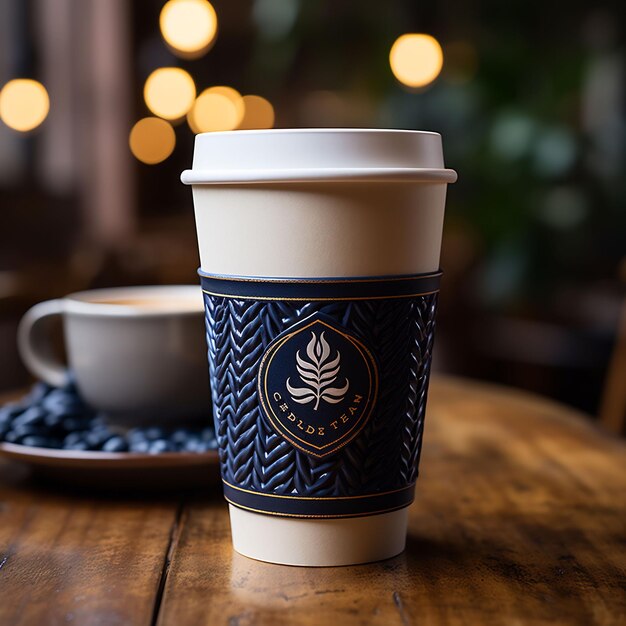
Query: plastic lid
x=332 y=154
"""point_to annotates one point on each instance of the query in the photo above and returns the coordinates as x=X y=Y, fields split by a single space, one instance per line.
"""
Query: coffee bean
x=161 y=445
x=40 y=442
x=5 y=427
x=9 y=411
x=62 y=405
x=58 y=417
x=136 y=434
x=180 y=436
x=17 y=433
x=38 y=392
x=78 y=446
x=153 y=433
x=96 y=438
x=74 y=438
x=71 y=424
x=193 y=444
x=140 y=446
x=115 y=444
x=54 y=421
x=11 y=437
x=33 y=416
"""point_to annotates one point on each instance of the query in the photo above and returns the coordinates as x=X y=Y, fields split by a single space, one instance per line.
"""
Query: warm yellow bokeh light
x=169 y=92
x=233 y=95
x=152 y=140
x=416 y=59
x=24 y=104
x=259 y=113
x=213 y=111
x=188 y=26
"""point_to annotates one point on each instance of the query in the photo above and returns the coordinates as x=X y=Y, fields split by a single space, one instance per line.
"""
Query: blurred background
x=100 y=101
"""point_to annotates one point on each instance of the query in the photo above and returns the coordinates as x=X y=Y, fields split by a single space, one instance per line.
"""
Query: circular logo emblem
x=317 y=385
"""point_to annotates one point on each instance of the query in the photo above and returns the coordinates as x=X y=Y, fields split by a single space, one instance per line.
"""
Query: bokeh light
x=512 y=134
x=234 y=96
x=188 y=26
x=275 y=18
x=152 y=140
x=563 y=207
x=555 y=152
x=259 y=113
x=24 y=104
x=416 y=59
x=213 y=111
x=169 y=92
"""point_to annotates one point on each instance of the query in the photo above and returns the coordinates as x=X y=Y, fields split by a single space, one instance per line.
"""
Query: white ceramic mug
x=315 y=204
x=137 y=353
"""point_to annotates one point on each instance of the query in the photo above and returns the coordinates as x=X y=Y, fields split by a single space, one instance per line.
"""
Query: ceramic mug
x=319 y=253
x=138 y=354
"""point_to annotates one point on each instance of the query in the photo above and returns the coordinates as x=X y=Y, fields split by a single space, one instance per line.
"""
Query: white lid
x=297 y=155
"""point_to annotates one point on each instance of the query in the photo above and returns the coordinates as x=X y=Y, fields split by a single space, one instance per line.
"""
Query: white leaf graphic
x=303 y=365
x=317 y=373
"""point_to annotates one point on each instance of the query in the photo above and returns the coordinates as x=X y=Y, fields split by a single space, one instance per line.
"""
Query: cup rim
x=326 y=129
x=89 y=302
x=302 y=175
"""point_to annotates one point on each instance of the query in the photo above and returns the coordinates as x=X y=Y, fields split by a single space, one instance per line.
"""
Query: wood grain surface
x=520 y=518
x=69 y=558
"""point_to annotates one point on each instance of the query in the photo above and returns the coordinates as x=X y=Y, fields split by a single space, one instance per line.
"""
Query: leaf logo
x=318 y=373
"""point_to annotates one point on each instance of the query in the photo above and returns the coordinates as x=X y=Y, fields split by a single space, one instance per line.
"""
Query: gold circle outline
x=372 y=371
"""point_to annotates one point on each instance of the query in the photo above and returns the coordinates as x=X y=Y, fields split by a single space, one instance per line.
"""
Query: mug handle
x=35 y=346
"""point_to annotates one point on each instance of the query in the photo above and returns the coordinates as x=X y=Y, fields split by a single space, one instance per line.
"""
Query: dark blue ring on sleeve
x=319 y=289
x=348 y=506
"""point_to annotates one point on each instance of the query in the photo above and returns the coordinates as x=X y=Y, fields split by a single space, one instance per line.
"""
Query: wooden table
x=520 y=519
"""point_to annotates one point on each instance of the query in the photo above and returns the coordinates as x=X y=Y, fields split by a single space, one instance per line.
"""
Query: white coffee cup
x=137 y=353
x=317 y=203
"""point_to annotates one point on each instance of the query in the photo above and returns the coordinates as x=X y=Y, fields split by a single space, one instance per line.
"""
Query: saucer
x=118 y=470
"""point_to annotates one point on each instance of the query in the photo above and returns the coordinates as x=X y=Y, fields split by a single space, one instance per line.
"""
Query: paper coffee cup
x=319 y=258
